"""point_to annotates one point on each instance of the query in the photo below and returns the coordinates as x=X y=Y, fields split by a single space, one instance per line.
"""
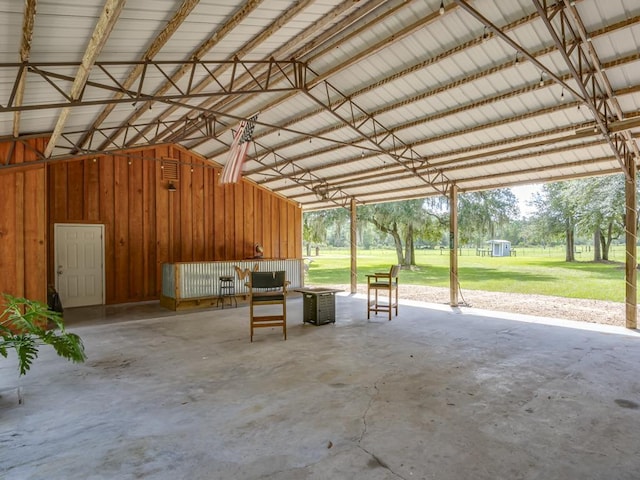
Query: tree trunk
x=570 y=253
x=606 y=242
x=597 y=256
x=398 y=243
x=393 y=231
x=308 y=249
x=409 y=250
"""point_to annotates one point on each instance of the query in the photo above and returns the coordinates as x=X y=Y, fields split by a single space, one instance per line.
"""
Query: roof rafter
x=289 y=50
x=425 y=193
x=391 y=8
x=584 y=73
x=249 y=75
x=370 y=177
x=288 y=69
x=528 y=115
x=28 y=21
x=455 y=84
x=161 y=39
x=601 y=70
x=197 y=54
x=101 y=32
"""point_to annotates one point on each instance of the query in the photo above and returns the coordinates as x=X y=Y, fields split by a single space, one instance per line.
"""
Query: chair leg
x=251 y=321
x=368 y=302
x=396 y=301
x=390 y=293
x=284 y=319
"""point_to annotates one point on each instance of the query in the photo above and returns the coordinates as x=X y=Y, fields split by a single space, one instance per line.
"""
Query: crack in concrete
x=378 y=460
x=381 y=463
x=366 y=411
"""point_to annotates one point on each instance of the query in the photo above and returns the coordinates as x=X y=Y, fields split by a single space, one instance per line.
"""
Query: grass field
x=532 y=271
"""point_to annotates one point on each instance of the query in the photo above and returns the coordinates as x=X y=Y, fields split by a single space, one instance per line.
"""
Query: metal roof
x=373 y=100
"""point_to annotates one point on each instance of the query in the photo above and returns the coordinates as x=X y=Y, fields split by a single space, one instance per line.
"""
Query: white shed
x=500 y=248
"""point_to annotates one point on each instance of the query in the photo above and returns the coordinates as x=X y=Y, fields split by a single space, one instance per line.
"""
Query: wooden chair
x=388 y=283
x=268 y=288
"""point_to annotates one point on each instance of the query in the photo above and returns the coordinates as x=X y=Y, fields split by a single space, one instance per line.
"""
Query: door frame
x=102 y=252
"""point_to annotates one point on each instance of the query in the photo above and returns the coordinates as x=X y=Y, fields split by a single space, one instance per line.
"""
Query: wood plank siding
x=145 y=224
x=23 y=220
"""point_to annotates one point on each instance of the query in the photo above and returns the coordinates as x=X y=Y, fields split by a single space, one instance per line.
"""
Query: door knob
x=59 y=272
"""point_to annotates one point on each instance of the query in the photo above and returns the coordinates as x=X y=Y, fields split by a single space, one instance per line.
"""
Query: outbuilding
x=500 y=248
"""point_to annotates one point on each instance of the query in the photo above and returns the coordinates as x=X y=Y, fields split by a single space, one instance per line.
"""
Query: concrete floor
x=433 y=394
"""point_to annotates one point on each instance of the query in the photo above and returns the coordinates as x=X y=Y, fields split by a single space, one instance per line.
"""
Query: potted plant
x=25 y=325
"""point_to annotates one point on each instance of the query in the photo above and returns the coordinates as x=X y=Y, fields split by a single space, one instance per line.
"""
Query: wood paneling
x=219 y=206
x=23 y=247
x=145 y=224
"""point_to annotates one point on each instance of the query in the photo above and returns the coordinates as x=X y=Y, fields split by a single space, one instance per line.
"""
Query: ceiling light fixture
x=171 y=187
x=441 y=11
x=562 y=95
x=485 y=34
x=517 y=60
x=541 y=79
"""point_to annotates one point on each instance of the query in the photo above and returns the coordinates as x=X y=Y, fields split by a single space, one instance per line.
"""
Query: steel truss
x=103 y=84
x=573 y=47
x=589 y=77
x=371 y=130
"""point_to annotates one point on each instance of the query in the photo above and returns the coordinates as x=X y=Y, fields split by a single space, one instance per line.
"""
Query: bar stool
x=227 y=291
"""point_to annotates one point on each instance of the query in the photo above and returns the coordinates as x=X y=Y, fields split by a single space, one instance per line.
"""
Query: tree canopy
x=591 y=208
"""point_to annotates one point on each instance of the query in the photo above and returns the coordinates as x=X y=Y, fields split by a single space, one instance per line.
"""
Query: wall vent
x=169 y=169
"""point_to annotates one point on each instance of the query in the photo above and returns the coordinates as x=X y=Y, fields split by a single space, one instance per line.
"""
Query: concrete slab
x=434 y=394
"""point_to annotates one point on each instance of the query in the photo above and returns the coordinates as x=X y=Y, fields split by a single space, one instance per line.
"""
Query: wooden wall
x=23 y=221
x=145 y=224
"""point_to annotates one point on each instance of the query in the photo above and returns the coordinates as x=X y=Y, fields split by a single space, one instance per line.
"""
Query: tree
x=558 y=208
x=481 y=213
x=317 y=225
x=313 y=229
x=601 y=205
x=403 y=221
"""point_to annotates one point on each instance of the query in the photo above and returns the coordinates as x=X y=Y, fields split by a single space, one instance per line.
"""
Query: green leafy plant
x=25 y=325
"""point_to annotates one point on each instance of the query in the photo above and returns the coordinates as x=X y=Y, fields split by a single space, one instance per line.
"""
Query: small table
x=318 y=305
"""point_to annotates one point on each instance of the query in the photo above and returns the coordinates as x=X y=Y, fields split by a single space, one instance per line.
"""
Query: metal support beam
x=577 y=58
x=294 y=49
x=631 y=237
x=28 y=21
x=267 y=77
x=106 y=22
x=454 y=84
x=163 y=37
x=241 y=13
x=106 y=90
x=354 y=246
x=453 y=245
x=373 y=132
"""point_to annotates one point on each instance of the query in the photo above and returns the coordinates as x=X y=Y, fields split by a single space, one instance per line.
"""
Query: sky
x=525 y=193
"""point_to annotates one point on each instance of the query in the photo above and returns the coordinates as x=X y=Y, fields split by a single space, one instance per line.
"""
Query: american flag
x=235 y=159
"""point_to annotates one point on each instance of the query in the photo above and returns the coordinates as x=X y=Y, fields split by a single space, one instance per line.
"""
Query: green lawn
x=533 y=270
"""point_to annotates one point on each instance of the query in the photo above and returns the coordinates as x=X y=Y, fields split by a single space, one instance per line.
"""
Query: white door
x=79 y=250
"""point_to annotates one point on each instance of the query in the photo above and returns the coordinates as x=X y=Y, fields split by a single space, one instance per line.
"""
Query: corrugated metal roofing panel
x=11 y=14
